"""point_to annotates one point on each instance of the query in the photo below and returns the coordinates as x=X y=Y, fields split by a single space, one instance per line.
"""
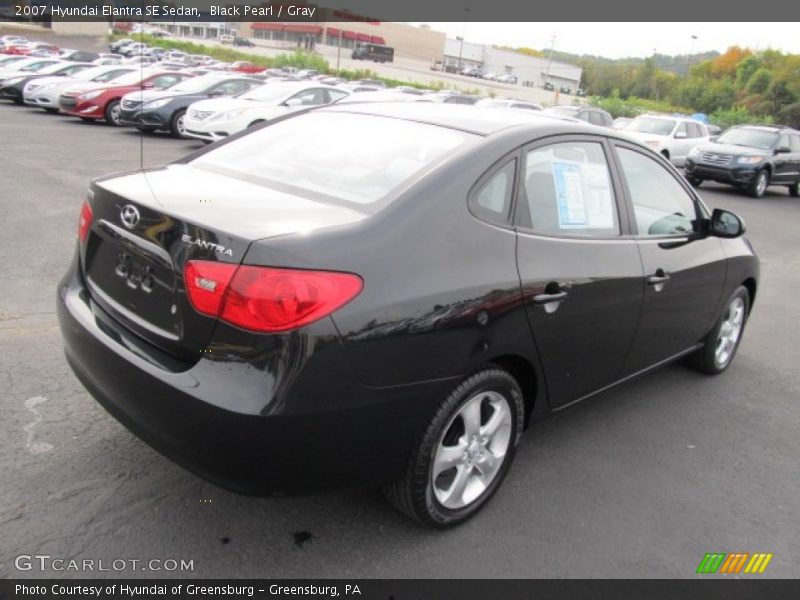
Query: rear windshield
x=752 y=138
x=355 y=158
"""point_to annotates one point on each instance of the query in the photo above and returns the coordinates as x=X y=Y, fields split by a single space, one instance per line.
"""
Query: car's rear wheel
x=464 y=453
x=112 y=113
x=694 y=181
x=760 y=183
x=721 y=344
x=178 y=124
x=794 y=189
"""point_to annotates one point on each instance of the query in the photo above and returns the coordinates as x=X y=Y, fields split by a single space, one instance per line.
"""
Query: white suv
x=674 y=137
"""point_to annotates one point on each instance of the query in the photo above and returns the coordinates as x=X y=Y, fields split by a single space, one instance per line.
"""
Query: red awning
x=349 y=35
x=270 y=26
x=376 y=39
x=334 y=31
x=314 y=29
x=362 y=37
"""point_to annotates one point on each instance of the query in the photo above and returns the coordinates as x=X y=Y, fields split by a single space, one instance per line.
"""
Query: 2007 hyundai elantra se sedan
x=386 y=294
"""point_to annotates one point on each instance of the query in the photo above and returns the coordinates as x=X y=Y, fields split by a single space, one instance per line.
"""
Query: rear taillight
x=85 y=221
x=266 y=299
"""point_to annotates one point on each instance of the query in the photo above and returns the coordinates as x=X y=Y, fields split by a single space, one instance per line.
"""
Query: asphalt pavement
x=640 y=481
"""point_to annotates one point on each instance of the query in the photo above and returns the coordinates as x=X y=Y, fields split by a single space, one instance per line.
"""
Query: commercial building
x=531 y=71
x=409 y=41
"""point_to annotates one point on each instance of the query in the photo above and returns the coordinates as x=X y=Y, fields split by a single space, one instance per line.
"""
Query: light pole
x=689 y=56
x=550 y=56
x=460 y=50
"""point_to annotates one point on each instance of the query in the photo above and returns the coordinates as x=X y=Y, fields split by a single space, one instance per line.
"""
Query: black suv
x=750 y=157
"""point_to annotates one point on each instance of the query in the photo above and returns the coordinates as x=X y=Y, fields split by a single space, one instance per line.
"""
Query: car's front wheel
x=112 y=113
x=464 y=453
x=760 y=183
x=794 y=189
x=694 y=181
x=722 y=342
x=178 y=125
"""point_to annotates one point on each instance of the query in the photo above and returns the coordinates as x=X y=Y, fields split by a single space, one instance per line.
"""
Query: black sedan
x=165 y=109
x=388 y=294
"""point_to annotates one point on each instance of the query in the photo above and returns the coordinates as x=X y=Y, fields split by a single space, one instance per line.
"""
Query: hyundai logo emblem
x=129 y=216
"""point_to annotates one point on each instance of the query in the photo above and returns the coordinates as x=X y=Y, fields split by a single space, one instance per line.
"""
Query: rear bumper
x=240 y=428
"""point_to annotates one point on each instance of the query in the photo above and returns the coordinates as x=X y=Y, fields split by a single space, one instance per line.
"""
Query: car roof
x=483 y=121
x=771 y=128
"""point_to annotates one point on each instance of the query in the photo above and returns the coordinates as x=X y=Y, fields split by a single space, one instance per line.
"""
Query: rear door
x=684 y=269
x=579 y=268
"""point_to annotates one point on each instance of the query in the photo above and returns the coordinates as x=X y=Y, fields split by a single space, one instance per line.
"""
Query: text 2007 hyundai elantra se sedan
x=387 y=293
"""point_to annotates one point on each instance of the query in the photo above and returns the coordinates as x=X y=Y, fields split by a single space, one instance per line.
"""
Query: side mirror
x=294 y=102
x=148 y=85
x=726 y=224
x=216 y=93
x=783 y=150
x=680 y=135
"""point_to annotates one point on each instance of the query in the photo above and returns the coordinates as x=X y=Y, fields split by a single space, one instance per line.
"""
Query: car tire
x=722 y=342
x=176 y=125
x=470 y=469
x=759 y=185
x=112 y=113
x=694 y=181
x=794 y=190
x=255 y=123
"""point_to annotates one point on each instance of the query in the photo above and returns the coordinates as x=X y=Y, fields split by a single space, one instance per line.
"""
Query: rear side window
x=568 y=191
x=596 y=118
x=794 y=143
x=491 y=200
x=660 y=204
x=355 y=158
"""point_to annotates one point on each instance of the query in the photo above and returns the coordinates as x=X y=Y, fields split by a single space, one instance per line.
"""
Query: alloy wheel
x=471 y=450
x=729 y=332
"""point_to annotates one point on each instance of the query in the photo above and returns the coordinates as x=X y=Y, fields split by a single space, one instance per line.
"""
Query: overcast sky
x=617 y=40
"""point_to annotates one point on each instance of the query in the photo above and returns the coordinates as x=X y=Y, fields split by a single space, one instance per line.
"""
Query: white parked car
x=45 y=92
x=216 y=119
x=673 y=137
x=26 y=66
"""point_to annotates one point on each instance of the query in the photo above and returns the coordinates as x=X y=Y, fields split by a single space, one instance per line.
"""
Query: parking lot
x=640 y=481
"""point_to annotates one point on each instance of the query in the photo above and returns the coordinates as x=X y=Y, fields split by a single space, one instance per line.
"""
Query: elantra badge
x=187 y=239
x=129 y=216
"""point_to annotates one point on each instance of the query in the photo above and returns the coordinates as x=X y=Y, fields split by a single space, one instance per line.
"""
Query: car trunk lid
x=147 y=225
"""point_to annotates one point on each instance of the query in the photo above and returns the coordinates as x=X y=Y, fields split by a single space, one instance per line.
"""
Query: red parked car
x=243 y=66
x=26 y=48
x=101 y=101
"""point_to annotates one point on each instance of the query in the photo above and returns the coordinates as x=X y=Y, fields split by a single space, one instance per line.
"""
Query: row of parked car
x=208 y=102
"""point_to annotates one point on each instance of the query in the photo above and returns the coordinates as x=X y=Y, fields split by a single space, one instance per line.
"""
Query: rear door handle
x=656 y=279
x=547 y=298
